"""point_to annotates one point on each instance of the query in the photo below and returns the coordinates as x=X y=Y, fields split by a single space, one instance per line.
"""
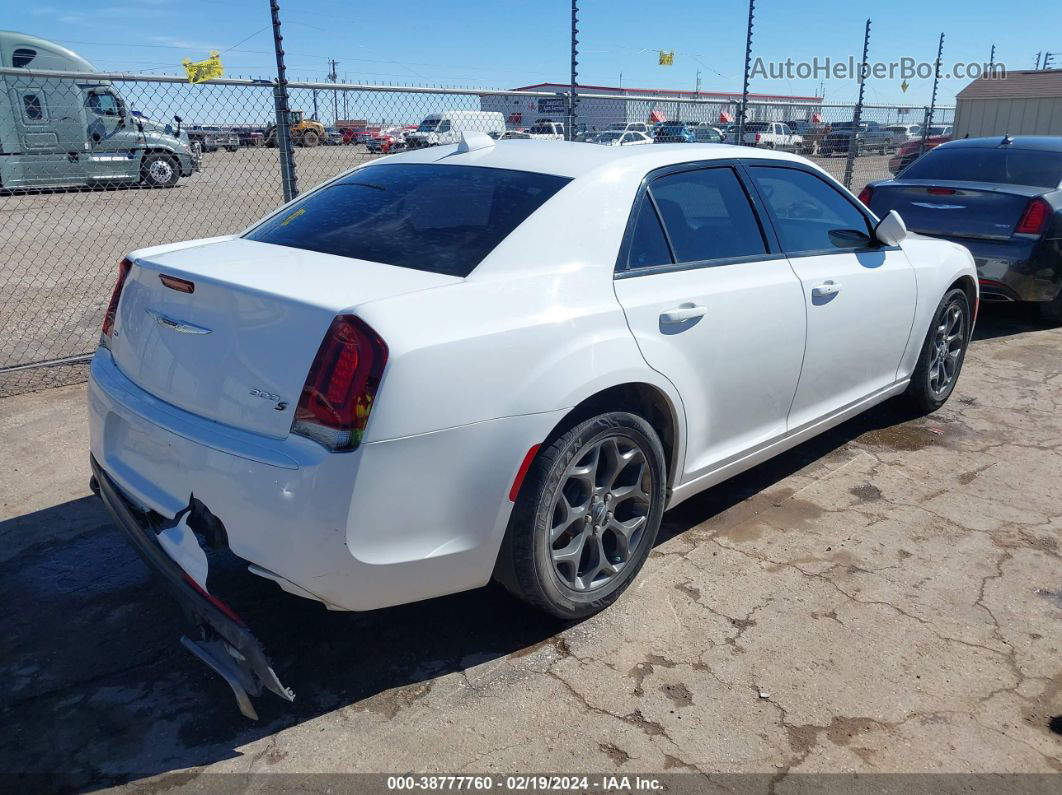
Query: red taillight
x=112 y=307
x=757 y=137
x=941 y=191
x=341 y=385
x=1034 y=219
x=865 y=196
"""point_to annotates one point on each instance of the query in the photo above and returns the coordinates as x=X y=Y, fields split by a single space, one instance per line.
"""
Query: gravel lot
x=59 y=249
x=884 y=598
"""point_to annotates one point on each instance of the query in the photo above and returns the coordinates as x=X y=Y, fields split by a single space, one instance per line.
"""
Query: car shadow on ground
x=101 y=692
x=1005 y=320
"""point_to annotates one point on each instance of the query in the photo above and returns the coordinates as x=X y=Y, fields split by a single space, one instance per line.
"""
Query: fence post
x=857 y=115
x=288 y=180
x=740 y=138
x=573 y=97
x=931 y=110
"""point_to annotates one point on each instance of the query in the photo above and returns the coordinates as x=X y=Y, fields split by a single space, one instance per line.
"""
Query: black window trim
x=872 y=220
x=622 y=269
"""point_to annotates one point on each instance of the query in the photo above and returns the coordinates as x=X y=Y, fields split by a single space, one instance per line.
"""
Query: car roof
x=576 y=159
x=1049 y=143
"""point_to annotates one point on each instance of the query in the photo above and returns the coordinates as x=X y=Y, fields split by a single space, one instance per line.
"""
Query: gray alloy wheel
x=600 y=511
x=586 y=516
x=949 y=342
x=943 y=353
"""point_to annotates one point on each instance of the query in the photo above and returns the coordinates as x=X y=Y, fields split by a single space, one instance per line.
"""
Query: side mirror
x=891 y=230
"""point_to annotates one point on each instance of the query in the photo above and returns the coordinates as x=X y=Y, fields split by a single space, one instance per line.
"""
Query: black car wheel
x=943 y=353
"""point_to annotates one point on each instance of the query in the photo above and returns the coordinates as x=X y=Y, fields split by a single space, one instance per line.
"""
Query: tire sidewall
x=920 y=388
x=148 y=180
x=559 y=599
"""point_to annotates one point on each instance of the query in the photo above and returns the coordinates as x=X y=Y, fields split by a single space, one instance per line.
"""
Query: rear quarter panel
x=937 y=264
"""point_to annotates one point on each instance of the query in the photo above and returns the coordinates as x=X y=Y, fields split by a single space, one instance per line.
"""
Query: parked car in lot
x=211 y=137
x=771 y=135
x=706 y=133
x=603 y=332
x=333 y=137
x=390 y=139
x=618 y=138
x=58 y=133
x=630 y=126
x=902 y=133
x=515 y=135
x=909 y=152
x=673 y=132
x=546 y=130
x=870 y=137
x=810 y=132
x=999 y=197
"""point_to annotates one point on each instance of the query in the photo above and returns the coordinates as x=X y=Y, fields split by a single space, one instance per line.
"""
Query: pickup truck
x=870 y=137
x=546 y=130
x=771 y=135
x=211 y=138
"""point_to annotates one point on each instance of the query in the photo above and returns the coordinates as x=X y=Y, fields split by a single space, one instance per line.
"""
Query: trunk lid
x=237 y=350
x=957 y=209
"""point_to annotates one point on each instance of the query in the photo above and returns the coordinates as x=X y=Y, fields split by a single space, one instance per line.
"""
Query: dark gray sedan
x=999 y=197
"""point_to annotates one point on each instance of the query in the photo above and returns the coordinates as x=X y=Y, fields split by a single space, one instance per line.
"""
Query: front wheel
x=943 y=353
x=159 y=171
x=309 y=138
x=586 y=517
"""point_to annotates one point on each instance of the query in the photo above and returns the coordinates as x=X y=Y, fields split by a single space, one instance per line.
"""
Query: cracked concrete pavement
x=884 y=598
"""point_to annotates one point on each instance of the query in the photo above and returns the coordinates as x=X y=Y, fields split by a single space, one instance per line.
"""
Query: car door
x=110 y=155
x=860 y=296
x=714 y=307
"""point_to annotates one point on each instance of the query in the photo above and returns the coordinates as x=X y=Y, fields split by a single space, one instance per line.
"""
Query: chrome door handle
x=826 y=288
x=681 y=313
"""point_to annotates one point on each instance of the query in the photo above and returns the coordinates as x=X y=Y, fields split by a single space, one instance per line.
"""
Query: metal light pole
x=573 y=97
x=745 y=85
x=288 y=180
x=335 y=94
x=933 y=99
x=857 y=116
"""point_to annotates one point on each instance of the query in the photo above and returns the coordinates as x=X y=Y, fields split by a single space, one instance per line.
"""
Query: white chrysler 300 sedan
x=497 y=360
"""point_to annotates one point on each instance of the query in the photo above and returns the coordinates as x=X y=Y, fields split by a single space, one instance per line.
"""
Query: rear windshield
x=1007 y=166
x=443 y=219
x=756 y=127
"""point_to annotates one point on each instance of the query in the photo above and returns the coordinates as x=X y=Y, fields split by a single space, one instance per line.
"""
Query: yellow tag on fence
x=667 y=57
x=198 y=71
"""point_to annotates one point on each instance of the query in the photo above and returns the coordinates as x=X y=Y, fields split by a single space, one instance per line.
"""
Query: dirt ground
x=886 y=598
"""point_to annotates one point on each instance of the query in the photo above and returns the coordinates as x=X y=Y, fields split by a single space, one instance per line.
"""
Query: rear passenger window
x=707 y=215
x=31 y=105
x=806 y=208
x=648 y=245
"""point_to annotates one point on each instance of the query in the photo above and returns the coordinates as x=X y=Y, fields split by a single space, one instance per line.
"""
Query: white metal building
x=645 y=104
x=1025 y=103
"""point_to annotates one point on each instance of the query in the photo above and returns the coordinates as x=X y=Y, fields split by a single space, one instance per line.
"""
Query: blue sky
x=507 y=43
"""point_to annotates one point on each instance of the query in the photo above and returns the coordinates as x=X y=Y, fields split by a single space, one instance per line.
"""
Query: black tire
x=159 y=170
x=922 y=392
x=309 y=138
x=1051 y=311
x=526 y=566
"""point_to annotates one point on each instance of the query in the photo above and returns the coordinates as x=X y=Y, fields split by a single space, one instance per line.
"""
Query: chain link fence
x=94 y=165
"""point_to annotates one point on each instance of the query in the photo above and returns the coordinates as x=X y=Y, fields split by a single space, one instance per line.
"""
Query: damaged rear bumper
x=226 y=643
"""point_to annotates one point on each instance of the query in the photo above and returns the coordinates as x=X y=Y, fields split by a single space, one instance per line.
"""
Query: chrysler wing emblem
x=180 y=326
x=930 y=206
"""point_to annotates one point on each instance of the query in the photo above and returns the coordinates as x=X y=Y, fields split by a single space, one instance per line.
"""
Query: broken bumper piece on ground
x=226 y=644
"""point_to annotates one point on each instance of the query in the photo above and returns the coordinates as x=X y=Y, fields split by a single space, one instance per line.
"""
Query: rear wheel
x=159 y=171
x=942 y=354
x=586 y=517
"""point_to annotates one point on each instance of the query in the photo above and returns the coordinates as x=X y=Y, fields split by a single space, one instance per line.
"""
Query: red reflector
x=341 y=385
x=224 y=608
x=180 y=285
x=521 y=473
x=941 y=191
x=112 y=307
x=865 y=196
x=1034 y=219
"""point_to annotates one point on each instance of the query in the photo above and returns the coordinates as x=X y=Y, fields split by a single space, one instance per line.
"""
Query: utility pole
x=857 y=116
x=698 y=81
x=1037 y=67
x=992 y=59
x=335 y=94
x=745 y=85
x=1048 y=57
x=573 y=98
x=288 y=181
